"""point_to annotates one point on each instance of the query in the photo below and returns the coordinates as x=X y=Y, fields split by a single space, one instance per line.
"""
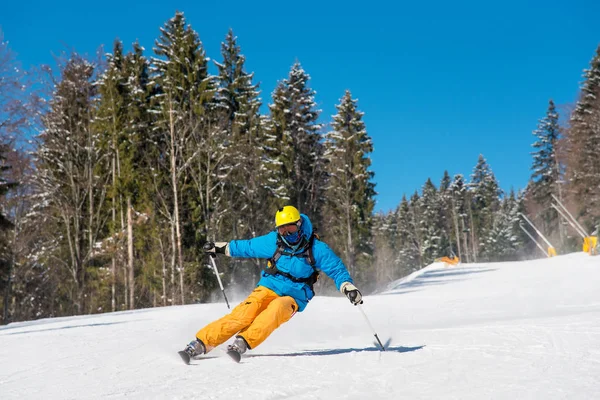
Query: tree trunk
x=173 y=262
x=130 y=254
x=417 y=237
x=176 y=205
x=126 y=283
x=164 y=271
x=113 y=270
x=7 y=295
x=456 y=230
x=465 y=238
x=349 y=243
x=561 y=228
x=473 y=242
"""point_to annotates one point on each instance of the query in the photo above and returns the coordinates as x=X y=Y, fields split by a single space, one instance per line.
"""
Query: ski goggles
x=285 y=230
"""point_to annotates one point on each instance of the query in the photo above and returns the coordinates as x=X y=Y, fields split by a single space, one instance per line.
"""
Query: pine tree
x=123 y=125
x=501 y=242
x=447 y=222
x=236 y=94
x=6 y=239
x=295 y=152
x=109 y=124
x=69 y=188
x=350 y=191
x=20 y=242
x=239 y=98
x=245 y=186
x=460 y=215
x=415 y=216
x=184 y=92
x=430 y=226
x=12 y=120
x=547 y=170
x=485 y=201
x=139 y=152
x=407 y=239
x=583 y=137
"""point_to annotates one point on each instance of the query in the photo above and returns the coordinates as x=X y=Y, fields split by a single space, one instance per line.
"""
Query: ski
x=235 y=356
x=184 y=356
x=188 y=360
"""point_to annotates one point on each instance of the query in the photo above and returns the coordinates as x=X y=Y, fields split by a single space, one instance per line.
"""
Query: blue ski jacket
x=299 y=267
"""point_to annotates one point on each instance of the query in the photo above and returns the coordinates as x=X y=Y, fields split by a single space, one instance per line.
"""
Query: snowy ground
x=528 y=330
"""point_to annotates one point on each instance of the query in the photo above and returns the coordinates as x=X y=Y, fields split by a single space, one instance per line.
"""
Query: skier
x=295 y=257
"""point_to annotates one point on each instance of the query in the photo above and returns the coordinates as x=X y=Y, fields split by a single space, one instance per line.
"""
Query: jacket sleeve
x=328 y=262
x=258 y=247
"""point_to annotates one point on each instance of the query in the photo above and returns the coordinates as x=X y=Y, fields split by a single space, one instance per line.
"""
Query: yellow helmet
x=286 y=215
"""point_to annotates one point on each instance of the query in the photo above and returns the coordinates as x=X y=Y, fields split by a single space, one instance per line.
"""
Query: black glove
x=212 y=248
x=352 y=293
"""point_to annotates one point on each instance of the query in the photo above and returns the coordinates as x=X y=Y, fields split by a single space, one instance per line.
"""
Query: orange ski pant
x=255 y=319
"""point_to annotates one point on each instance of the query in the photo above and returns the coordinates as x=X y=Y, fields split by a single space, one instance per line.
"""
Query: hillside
x=522 y=330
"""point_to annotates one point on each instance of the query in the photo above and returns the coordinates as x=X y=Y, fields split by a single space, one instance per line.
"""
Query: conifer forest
x=115 y=171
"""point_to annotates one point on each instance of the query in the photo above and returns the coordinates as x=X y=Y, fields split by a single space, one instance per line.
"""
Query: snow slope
x=522 y=330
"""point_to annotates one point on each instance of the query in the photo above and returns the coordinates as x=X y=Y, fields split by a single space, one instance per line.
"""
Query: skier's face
x=290 y=232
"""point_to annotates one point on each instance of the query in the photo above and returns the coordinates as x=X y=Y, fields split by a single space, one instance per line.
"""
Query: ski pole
x=212 y=260
x=207 y=246
x=371 y=326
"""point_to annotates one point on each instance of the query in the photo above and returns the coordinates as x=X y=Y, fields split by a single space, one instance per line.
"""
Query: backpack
x=307 y=252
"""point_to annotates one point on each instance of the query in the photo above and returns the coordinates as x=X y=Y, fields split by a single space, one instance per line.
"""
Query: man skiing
x=286 y=286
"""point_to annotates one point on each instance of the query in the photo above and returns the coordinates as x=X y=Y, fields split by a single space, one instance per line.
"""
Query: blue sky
x=439 y=82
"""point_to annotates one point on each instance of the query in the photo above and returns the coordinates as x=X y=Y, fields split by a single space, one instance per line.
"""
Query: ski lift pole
x=534 y=241
x=370 y=326
x=535 y=229
x=562 y=214
x=567 y=211
x=208 y=246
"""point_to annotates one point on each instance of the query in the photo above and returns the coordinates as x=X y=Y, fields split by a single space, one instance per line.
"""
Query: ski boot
x=237 y=348
x=194 y=349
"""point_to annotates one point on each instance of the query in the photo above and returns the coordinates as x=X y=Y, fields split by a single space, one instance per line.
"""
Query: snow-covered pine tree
x=350 y=191
x=6 y=232
x=25 y=294
x=11 y=119
x=123 y=125
x=583 y=141
x=295 y=150
x=501 y=242
x=70 y=191
x=460 y=215
x=408 y=245
x=485 y=201
x=191 y=151
x=547 y=171
x=518 y=207
x=415 y=215
x=238 y=96
x=140 y=152
x=245 y=187
x=449 y=233
x=430 y=223
x=109 y=125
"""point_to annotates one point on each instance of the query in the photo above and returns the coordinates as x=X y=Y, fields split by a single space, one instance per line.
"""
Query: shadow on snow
x=332 y=352
x=434 y=278
x=64 y=327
